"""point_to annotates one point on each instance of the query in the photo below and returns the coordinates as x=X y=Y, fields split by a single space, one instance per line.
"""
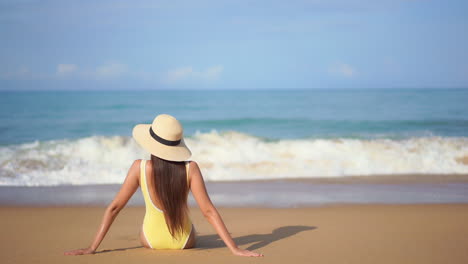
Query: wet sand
x=286 y=193
x=424 y=233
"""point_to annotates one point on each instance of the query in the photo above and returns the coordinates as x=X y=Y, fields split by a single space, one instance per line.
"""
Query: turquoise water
x=366 y=113
x=84 y=137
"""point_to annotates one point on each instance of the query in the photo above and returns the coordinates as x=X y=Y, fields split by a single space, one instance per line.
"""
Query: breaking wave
x=230 y=156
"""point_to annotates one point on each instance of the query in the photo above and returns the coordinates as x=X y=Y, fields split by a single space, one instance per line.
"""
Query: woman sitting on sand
x=165 y=190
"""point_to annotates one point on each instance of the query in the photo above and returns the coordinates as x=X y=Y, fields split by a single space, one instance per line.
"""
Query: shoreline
x=386 y=179
x=405 y=178
x=284 y=193
x=361 y=234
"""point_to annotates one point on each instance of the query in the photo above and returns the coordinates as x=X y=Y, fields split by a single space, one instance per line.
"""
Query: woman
x=165 y=182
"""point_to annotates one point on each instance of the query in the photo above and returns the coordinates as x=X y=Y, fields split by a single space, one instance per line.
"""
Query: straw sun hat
x=163 y=138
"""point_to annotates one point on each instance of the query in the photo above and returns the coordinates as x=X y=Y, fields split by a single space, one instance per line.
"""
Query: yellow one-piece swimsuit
x=155 y=229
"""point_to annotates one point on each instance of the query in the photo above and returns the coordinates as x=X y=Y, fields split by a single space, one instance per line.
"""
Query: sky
x=216 y=44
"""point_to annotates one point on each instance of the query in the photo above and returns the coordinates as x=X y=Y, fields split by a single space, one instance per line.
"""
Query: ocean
x=70 y=138
x=83 y=137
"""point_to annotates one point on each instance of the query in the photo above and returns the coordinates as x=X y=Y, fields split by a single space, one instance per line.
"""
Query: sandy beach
x=326 y=132
x=328 y=234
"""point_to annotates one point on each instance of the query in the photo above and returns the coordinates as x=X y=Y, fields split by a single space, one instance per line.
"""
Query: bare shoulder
x=136 y=164
x=193 y=163
x=134 y=171
x=193 y=167
x=195 y=173
x=197 y=186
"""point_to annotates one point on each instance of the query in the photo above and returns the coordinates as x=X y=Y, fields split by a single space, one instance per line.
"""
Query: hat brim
x=173 y=153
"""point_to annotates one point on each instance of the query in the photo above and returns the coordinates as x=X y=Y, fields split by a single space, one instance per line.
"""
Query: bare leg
x=191 y=240
x=143 y=239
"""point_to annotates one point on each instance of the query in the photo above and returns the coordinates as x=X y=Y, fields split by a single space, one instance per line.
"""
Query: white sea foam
x=231 y=156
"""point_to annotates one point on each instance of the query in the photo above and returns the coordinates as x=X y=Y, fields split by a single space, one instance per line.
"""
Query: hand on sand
x=82 y=251
x=246 y=253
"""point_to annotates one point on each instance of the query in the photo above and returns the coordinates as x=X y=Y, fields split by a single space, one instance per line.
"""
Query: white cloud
x=66 y=69
x=179 y=74
x=114 y=70
x=103 y=72
x=343 y=69
x=111 y=70
x=22 y=73
x=210 y=74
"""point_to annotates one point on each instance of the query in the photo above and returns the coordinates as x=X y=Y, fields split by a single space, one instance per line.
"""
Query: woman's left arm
x=128 y=188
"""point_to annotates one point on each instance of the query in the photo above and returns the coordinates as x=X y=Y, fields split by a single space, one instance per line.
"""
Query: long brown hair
x=171 y=187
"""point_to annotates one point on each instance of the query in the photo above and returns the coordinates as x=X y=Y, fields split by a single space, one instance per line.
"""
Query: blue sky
x=232 y=44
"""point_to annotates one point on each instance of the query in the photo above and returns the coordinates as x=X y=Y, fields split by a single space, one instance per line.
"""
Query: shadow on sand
x=260 y=240
x=116 y=249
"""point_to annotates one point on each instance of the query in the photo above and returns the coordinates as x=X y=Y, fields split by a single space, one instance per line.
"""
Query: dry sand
x=361 y=234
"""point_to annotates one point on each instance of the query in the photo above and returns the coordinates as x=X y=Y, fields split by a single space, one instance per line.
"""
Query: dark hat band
x=162 y=140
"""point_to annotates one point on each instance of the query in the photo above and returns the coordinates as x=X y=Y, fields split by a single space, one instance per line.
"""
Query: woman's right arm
x=197 y=186
x=128 y=188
